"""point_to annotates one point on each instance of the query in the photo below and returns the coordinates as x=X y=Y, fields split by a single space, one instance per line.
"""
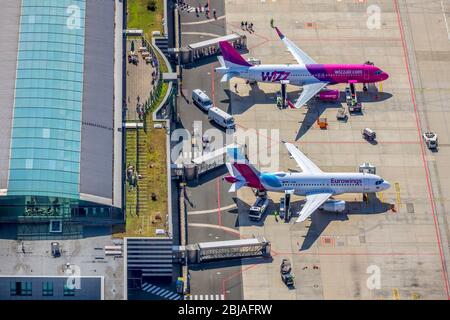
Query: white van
x=201 y=99
x=220 y=117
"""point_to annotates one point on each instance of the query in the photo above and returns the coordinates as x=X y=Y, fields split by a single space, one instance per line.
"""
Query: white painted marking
x=213 y=210
x=172 y=296
x=201 y=34
x=222 y=297
x=154 y=289
x=202 y=22
x=159 y=291
x=445 y=19
x=146 y=286
x=214 y=226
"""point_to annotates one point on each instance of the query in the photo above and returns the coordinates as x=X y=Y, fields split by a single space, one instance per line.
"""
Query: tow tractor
x=431 y=139
x=341 y=114
x=285 y=271
x=369 y=134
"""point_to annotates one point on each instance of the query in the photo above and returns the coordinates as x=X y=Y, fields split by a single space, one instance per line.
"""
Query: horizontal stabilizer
x=236 y=186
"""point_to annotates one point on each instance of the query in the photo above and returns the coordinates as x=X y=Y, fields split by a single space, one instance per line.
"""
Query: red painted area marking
x=422 y=149
x=212 y=85
x=219 y=214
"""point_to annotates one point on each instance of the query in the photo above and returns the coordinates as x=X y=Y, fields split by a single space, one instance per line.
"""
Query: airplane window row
x=320 y=184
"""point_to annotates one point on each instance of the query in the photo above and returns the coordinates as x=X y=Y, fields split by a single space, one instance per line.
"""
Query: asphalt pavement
x=212 y=215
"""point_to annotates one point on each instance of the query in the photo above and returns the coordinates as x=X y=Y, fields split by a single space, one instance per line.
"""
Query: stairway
x=163 y=44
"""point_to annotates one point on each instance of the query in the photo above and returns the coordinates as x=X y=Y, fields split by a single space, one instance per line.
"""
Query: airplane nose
x=386 y=185
x=384 y=76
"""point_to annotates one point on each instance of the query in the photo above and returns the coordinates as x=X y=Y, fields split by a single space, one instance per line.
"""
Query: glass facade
x=46 y=129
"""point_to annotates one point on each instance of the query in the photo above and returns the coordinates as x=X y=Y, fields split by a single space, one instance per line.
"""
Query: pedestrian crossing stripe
x=163 y=293
x=205 y=297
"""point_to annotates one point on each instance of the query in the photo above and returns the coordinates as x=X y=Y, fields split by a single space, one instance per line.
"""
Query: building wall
x=88 y=288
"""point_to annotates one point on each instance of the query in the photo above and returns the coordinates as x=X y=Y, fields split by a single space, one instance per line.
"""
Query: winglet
x=279 y=33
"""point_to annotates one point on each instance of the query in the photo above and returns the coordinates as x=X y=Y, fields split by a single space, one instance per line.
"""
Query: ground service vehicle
x=431 y=140
x=285 y=271
x=220 y=117
x=369 y=134
x=201 y=99
x=257 y=210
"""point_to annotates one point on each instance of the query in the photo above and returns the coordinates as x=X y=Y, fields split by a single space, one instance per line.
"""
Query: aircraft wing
x=309 y=91
x=313 y=202
x=303 y=162
x=301 y=57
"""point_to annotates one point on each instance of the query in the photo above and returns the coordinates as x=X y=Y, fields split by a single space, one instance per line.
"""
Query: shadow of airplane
x=255 y=96
x=321 y=219
x=315 y=108
x=244 y=220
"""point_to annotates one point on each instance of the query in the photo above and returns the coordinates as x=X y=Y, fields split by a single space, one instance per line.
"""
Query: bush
x=151 y=5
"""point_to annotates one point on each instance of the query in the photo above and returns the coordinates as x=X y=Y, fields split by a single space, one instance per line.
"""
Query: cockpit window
x=379 y=182
x=378 y=72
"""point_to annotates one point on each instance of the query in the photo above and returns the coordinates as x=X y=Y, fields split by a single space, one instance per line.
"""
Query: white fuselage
x=295 y=74
x=334 y=183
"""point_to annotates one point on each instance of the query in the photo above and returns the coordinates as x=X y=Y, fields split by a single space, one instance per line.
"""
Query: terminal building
x=61 y=115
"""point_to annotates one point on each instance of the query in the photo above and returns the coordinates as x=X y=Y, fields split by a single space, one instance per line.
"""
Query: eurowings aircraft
x=316 y=185
x=307 y=73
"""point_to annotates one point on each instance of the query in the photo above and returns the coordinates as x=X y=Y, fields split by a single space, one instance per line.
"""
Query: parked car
x=56 y=250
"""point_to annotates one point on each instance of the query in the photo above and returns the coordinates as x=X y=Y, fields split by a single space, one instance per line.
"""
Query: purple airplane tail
x=231 y=56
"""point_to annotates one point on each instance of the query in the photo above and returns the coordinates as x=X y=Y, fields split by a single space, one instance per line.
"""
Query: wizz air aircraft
x=307 y=73
x=316 y=185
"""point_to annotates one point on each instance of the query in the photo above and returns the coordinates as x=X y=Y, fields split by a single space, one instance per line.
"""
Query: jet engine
x=333 y=205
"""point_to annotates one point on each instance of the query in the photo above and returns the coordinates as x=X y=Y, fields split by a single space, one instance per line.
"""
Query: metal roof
x=97 y=133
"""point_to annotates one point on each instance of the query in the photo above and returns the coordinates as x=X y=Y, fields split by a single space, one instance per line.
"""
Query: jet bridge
x=231 y=249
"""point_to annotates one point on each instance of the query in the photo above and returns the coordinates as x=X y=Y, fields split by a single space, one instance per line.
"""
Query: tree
x=151 y=5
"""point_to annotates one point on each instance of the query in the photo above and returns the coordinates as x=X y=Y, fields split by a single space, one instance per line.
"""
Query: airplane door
x=366 y=75
x=366 y=185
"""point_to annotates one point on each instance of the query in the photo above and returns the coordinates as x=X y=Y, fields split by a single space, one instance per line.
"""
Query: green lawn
x=139 y=17
x=150 y=161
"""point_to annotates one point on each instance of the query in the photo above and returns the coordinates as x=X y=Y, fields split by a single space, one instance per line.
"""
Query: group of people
x=182 y=5
x=247 y=26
